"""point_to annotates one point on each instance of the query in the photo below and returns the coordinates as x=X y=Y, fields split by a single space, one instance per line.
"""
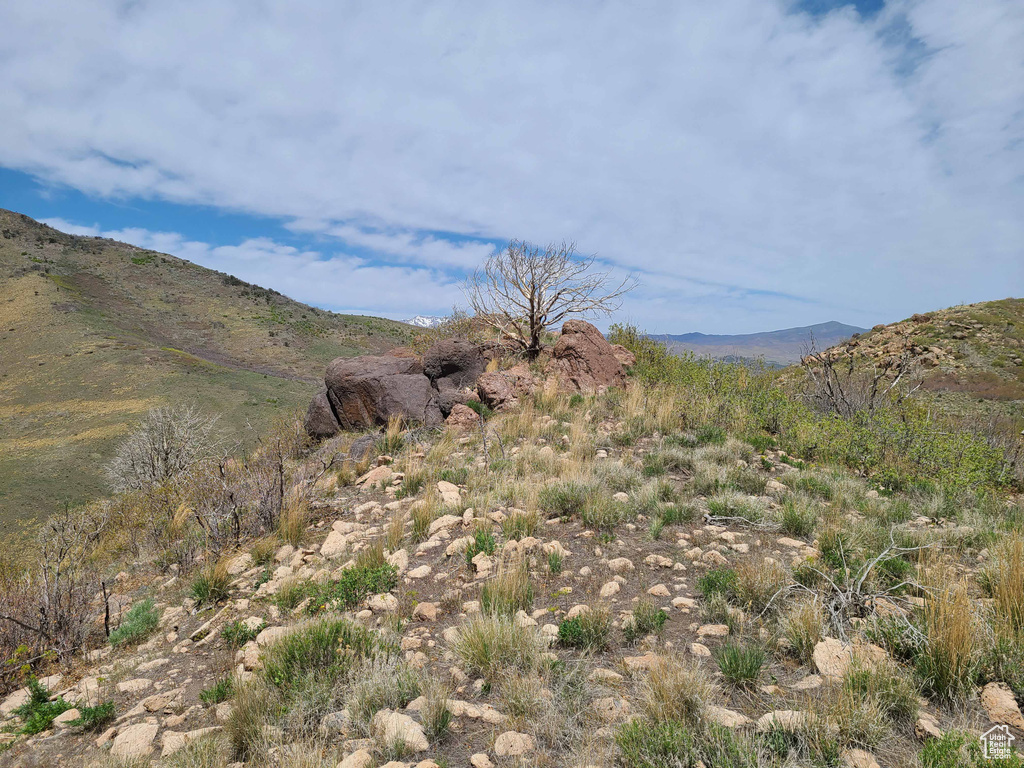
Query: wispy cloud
x=827 y=163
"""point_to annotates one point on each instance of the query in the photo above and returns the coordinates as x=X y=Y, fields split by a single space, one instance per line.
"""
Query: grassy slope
x=979 y=368
x=95 y=332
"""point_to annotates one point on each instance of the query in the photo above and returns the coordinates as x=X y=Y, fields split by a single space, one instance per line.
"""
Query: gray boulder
x=366 y=391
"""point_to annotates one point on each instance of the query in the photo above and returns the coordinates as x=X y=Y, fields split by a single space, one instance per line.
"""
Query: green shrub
x=958 y=749
x=646 y=619
x=94 y=718
x=355 y=583
x=321 y=648
x=237 y=633
x=483 y=541
x=740 y=664
x=137 y=624
x=798 y=518
x=590 y=630
x=482 y=410
x=656 y=745
x=555 y=562
x=39 y=712
x=566 y=498
x=218 y=692
x=457 y=476
x=519 y=525
x=721 y=581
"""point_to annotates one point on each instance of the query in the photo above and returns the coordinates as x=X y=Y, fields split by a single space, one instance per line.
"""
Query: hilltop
x=100 y=331
x=782 y=347
x=970 y=358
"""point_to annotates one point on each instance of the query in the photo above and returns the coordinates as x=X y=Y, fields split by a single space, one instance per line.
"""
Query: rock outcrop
x=584 y=361
x=366 y=391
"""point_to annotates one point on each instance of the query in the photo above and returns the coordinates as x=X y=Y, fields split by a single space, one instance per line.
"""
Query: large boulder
x=583 y=360
x=453 y=364
x=502 y=389
x=320 y=419
x=366 y=391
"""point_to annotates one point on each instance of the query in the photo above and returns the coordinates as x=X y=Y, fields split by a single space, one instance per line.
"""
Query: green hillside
x=94 y=332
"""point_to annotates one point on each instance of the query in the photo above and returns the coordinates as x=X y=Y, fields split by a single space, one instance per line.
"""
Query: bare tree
x=523 y=290
x=837 y=385
x=167 y=443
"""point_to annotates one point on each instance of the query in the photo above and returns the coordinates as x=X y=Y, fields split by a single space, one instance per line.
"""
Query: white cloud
x=339 y=282
x=864 y=169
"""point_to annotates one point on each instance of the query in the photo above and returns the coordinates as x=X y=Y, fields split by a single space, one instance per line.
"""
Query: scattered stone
x=726 y=717
x=513 y=744
x=135 y=740
x=174 y=740
x=659 y=590
x=713 y=630
x=611 y=709
x=609 y=589
x=137 y=685
x=699 y=649
x=64 y=718
x=479 y=760
x=358 y=759
x=621 y=565
x=1001 y=706
x=927 y=727
x=859 y=758
x=394 y=727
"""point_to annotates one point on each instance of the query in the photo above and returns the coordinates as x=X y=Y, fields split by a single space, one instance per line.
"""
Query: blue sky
x=757 y=164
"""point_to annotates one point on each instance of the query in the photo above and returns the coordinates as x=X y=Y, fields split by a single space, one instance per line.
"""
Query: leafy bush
x=483 y=541
x=138 y=624
x=322 y=647
x=94 y=718
x=355 y=583
x=590 y=630
x=39 y=712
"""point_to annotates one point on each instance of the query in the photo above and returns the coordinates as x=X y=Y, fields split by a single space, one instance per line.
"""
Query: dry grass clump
x=803 y=626
x=676 y=690
x=380 y=683
x=209 y=751
x=948 y=663
x=291 y=526
x=394 y=534
x=435 y=715
x=509 y=590
x=492 y=644
x=758 y=582
x=1005 y=580
x=520 y=524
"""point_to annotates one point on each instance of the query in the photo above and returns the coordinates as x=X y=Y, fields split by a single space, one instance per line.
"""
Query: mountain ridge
x=101 y=331
x=783 y=347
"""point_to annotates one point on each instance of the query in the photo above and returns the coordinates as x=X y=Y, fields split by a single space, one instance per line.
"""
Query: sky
x=756 y=164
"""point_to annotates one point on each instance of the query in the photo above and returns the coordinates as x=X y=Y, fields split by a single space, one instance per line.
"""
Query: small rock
x=513 y=744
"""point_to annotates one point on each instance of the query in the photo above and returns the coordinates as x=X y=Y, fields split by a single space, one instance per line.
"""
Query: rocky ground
x=642 y=564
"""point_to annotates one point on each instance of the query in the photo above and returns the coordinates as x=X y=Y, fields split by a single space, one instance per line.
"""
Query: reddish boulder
x=583 y=360
x=366 y=391
x=626 y=358
x=462 y=417
x=502 y=389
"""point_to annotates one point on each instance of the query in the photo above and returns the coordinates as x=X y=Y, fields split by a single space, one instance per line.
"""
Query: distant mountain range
x=782 y=347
